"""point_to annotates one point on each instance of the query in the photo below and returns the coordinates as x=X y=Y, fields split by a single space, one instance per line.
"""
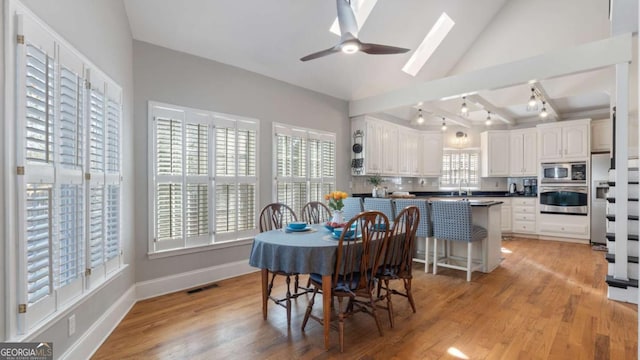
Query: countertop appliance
x=512 y=188
x=570 y=172
x=530 y=187
x=564 y=199
x=599 y=189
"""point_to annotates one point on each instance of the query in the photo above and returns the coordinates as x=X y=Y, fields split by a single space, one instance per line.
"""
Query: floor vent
x=202 y=288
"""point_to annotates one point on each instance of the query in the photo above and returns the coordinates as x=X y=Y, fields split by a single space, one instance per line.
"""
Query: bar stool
x=352 y=207
x=452 y=222
x=385 y=206
x=425 y=227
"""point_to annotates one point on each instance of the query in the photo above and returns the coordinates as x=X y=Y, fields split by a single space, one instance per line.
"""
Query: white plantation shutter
x=460 y=165
x=304 y=165
x=204 y=168
x=64 y=129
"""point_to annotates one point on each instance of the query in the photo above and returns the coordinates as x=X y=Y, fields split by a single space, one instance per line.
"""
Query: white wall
x=98 y=29
x=177 y=78
x=3 y=293
x=544 y=22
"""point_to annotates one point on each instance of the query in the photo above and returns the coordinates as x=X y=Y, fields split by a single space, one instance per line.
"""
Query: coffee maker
x=530 y=186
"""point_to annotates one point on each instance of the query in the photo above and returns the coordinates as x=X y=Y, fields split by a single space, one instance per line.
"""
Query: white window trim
x=211 y=118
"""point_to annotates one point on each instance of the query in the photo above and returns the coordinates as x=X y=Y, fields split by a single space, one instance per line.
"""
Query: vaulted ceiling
x=269 y=38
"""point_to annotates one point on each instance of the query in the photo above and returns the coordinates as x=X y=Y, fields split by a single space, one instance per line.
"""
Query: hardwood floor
x=547 y=300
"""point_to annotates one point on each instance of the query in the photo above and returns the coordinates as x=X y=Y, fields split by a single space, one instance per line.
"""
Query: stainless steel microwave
x=570 y=172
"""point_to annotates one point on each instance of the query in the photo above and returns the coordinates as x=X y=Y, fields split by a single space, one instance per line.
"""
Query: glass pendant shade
x=543 y=112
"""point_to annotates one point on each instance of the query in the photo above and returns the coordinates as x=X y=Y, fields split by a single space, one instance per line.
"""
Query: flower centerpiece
x=336 y=204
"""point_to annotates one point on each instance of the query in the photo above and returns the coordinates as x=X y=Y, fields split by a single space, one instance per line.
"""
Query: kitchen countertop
x=474 y=194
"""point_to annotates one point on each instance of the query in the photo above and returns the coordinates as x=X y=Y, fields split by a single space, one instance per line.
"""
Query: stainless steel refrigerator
x=599 y=188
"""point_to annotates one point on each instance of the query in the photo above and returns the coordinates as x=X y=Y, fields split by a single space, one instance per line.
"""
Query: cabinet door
x=431 y=154
x=390 y=150
x=550 y=143
x=373 y=147
x=601 y=137
x=498 y=157
x=516 y=147
x=575 y=140
x=404 y=153
x=413 y=153
x=506 y=218
x=530 y=153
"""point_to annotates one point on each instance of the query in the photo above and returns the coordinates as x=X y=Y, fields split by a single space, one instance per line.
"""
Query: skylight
x=429 y=45
x=361 y=9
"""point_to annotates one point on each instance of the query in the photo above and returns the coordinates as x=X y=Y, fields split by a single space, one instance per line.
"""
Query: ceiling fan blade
x=346 y=19
x=377 y=49
x=322 y=53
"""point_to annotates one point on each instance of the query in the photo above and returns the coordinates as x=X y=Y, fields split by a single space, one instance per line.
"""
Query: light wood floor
x=547 y=300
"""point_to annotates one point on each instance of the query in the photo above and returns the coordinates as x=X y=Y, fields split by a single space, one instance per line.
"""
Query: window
x=460 y=165
x=204 y=177
x=304 y=164
x=68 y=117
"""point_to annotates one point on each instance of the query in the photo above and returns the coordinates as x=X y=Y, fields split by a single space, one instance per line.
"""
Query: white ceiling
x=269 y=38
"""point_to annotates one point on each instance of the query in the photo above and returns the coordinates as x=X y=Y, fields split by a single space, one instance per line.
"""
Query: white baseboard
x=187 y=280
x=91 y=340
x=630 y=294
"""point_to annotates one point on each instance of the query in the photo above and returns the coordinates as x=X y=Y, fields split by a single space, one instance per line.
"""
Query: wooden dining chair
x=277 y=216
x=357 y=260
x=398 y=258
x=315 y=212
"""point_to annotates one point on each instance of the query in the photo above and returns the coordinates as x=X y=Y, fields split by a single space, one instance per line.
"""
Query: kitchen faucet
x=466 y=192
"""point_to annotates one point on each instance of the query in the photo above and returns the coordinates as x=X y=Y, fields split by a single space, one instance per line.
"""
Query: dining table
x=312 y=250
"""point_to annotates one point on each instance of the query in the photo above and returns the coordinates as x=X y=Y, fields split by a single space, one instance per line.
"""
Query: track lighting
x=532 y=105
x=444 y=125
x=488 y=121
x=543 y=112
x=464 y=110
x=420 y=118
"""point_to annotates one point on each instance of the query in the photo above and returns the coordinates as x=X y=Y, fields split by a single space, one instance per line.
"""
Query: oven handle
x=580 y=189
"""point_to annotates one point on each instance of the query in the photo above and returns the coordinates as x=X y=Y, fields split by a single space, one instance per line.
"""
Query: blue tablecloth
x=303 y=252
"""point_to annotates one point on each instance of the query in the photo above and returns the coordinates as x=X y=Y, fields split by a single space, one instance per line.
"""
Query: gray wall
x=99 y=29
x=168 y=76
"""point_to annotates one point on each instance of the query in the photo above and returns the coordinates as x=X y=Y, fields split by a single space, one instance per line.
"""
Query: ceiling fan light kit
x=349 y=42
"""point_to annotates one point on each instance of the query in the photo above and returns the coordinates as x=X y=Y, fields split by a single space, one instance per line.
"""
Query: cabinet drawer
x=524 y=209
x=524 y=217
x=523 y=201
x=524 y=226
x=561 y=229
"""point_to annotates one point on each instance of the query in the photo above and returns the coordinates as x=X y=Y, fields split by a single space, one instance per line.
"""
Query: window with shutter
x=460 y=165
x=190 y=149
x=66 y=222
x=304 y=165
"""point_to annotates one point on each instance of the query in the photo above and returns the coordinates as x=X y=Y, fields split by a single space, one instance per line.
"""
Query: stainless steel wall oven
x=564 y=199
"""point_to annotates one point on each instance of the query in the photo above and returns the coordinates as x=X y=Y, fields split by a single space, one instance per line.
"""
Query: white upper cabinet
x=431 y=153
x=373 y=147
x=494 y=149
x=524 y=153
x=601 y=135
x=565 y=140
x=390 y=149
x=409 y=153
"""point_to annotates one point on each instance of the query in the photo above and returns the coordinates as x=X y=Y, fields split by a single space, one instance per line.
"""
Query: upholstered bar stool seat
x=452 y=221
x=425 y=227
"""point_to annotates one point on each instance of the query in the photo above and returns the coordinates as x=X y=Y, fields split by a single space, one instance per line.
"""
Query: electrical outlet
x=72 y=324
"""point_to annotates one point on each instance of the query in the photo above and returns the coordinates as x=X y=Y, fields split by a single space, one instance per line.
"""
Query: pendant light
x=488 y=121
x=420 y=118
x=444 y=125
x=464 y=110
x=532 y=105
x=543 y=112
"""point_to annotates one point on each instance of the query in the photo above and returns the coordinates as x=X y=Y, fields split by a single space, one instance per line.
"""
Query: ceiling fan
x=349 y=42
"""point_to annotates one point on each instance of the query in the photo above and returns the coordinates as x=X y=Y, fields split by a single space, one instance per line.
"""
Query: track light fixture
x=464 y=110
x=488 y=121
x=444 y=125
x=532 y=105
x=420 y=118
x=543 y=112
